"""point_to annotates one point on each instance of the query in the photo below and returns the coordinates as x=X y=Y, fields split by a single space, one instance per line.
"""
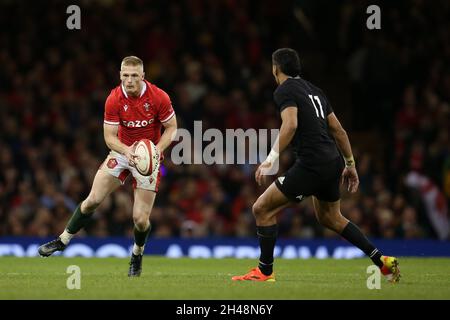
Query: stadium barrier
x=224 y=248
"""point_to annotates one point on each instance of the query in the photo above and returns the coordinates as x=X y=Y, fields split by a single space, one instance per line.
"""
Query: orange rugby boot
x=254 y=275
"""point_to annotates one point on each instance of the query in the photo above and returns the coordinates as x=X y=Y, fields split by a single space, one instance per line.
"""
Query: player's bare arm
x=170 y=130
x=349 y=175
x=113 y=142
x=287 y=131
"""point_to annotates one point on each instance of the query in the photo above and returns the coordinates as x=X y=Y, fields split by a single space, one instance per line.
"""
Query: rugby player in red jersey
x=134 y=110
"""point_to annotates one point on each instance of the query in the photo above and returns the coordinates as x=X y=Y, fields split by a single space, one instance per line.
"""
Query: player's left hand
x=261 y=172
x=350 y=177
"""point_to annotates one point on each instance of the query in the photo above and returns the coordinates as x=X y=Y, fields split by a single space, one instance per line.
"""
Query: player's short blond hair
x=132 y=61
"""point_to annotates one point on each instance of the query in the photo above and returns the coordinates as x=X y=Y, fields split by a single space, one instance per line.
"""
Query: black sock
x=354 y=235
x=140 y=237
x=267 y=237
x=78 y=220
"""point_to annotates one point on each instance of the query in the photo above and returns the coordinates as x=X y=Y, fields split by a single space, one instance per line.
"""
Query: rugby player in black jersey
x=324 y=160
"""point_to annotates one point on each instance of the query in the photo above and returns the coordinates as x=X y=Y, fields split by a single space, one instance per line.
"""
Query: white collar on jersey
x=296 y=77
x=144 y=87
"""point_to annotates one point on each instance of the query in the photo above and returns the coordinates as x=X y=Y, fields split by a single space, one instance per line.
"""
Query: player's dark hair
x=287 y=60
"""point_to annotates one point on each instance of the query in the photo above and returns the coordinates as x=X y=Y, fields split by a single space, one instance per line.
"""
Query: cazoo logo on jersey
x=137 y=123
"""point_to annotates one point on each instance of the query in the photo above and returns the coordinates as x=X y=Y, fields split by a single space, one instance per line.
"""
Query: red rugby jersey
x=141 y=117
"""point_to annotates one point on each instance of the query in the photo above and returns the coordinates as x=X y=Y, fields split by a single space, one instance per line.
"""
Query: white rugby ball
x=148 y=157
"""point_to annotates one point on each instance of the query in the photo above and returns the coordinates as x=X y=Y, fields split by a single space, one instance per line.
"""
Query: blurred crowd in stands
x=390 y=88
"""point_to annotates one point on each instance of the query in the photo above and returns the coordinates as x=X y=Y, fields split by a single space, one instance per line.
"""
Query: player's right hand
x=130 y=155
x=262 y=172
x=350 y=177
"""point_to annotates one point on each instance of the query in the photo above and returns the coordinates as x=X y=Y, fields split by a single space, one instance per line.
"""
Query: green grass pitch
x=164 y=278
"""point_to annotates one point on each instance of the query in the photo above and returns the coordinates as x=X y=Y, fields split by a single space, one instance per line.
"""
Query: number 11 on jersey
x=314 y=105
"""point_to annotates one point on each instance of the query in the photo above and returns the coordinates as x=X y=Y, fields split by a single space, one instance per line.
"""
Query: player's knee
x=141 y=221
x=91 y=203
x=259 y=209
x=256 y=209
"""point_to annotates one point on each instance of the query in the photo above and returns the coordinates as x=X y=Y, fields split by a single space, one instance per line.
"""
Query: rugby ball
x=148 y=158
